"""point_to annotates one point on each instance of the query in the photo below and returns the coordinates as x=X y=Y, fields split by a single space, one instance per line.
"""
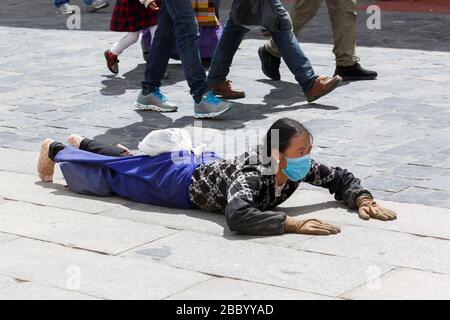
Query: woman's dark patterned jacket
x=244 y=189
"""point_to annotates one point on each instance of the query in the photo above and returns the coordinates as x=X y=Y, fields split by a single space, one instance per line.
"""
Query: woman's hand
x=368 y=208
x=309 y=226
x=151 y=4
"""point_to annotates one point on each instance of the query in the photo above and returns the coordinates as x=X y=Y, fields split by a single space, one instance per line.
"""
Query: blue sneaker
x=210 y=106
x=155 y=101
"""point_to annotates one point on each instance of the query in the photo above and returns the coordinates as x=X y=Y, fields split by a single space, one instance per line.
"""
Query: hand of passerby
x=151 y=4
x=368 y=208
x=309 y=226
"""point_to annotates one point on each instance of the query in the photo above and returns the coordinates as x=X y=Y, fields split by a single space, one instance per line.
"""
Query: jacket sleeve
x=338 y=181
x=241 y=213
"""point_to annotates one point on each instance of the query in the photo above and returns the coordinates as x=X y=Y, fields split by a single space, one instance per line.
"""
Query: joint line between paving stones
x=190 y=287
x=19 y=281
x=365 y=283
x=58 y=243
x=56 y=207
x=146 y=243
x=396 y=231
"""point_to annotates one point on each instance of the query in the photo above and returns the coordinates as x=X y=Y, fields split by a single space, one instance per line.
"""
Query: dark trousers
x=90 y=146
x=176 y=23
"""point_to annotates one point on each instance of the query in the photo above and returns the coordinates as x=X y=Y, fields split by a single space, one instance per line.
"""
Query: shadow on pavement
x=285 y=96
x=131 y=80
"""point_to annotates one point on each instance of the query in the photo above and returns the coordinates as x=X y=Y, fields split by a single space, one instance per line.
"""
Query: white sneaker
x=65 y=9
x=99 y=4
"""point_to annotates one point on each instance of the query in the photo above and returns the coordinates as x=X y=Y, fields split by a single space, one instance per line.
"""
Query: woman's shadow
x=217 y=220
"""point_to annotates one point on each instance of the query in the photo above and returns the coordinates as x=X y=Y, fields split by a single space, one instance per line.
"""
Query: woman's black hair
x=283 y=130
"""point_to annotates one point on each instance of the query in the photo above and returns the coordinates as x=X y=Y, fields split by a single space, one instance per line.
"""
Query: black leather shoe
x=270 y=64
x=355 y=72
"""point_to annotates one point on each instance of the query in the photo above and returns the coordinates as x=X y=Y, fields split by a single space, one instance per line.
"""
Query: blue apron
x=162 y=180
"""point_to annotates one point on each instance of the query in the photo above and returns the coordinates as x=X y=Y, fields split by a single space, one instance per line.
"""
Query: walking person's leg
x=232 y=36
x=313 y=86
x=177 y=20
x=118 y=48
x=163 y=44
x=343 y=19
x=301 y=13
x=59 y=3
x=64 y=7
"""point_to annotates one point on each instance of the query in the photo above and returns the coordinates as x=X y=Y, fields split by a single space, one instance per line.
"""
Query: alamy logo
x=74 y=20
x=374 y=19
x=73 y=281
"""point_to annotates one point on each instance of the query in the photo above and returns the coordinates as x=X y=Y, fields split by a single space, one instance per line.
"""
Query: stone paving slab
x=385 y=247
x=11 y=289
x=230 y=289
x=4 y=237
x=412 y=219
x=21 y=161
x=27 y=188
x=102 y=276
x=240 y=259
x=193 y=220
x=405 y=284
x=76 y=229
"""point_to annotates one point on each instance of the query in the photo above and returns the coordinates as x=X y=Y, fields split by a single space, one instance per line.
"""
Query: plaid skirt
x=131 y=16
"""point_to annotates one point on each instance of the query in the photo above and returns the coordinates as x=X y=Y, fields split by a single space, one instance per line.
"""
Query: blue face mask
x=297 y=168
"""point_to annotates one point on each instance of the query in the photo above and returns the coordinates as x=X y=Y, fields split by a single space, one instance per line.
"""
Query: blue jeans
x=176 y=22
x=59 y=3
x=217 y=7
x=284 y=38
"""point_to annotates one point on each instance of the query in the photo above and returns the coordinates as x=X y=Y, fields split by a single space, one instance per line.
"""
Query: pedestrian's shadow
x=283 y=97
x=115 y=85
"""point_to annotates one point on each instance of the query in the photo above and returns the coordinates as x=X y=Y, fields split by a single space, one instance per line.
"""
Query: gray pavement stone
x=417 y=172
x=76 y=229
x=28 y=188
x=239 y=259
x=421 y=196
x=10 y=289
x=230 y=289
x=102 y=276
x=405 y=284
x=386 y=183
x=4 y=237
x=193 y=220
x=385 y=247
x=412 y=219
x=438 y=183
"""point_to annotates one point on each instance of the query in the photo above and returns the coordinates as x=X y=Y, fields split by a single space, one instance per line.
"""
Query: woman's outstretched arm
x=340 y=182
x=241 y=212
x=346 y=187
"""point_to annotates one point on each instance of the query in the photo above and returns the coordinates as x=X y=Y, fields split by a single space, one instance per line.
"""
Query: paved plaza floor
x=392 y=132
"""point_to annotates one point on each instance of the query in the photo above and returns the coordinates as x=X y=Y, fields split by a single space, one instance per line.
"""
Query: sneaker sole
x=66 y=13
x=359 y=78
x=326 y=92
x=145 y=107
x=225 y=97
x=101 y=7
x=211 y=115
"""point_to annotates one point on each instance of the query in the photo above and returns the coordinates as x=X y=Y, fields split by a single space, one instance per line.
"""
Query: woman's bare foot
x=75 y=140
x=45 y=166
